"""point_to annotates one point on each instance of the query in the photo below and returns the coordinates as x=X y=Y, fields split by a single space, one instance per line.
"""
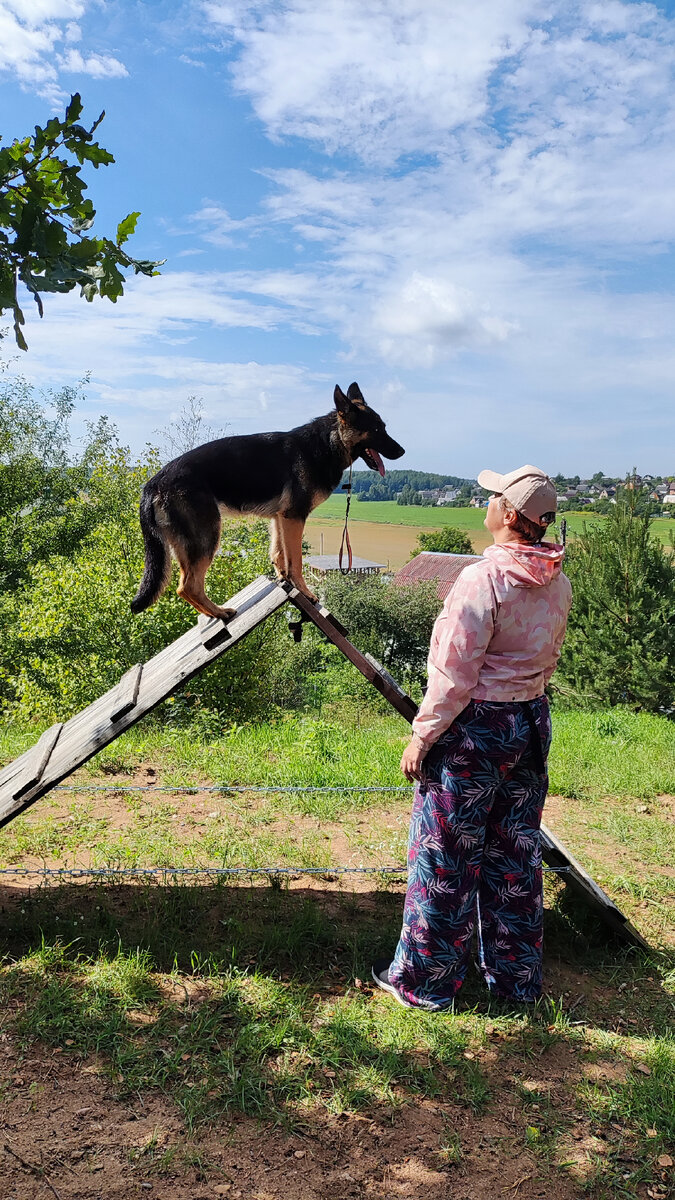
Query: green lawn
x=234 y=1003
x=389 y=513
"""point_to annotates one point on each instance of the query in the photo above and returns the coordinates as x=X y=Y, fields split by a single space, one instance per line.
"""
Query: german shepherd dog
x=282 y=476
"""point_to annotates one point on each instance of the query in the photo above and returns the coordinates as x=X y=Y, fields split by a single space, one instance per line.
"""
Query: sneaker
x=380 y=974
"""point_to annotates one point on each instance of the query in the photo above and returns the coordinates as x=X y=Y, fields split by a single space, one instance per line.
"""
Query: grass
x=617 y=753
x=248 y=1000
x=470 y=519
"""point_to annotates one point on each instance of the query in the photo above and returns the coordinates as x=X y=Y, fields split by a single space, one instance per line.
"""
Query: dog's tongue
x=378 y=461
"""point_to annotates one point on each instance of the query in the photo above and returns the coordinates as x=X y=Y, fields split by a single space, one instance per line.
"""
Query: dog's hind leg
x=191 y=588
x=194 y=539
x=291 y=529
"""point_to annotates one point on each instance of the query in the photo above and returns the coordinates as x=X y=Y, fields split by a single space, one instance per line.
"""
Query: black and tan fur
x=282 y=476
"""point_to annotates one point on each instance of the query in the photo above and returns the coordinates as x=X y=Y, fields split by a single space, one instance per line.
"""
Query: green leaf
x=74 y=109
x=127 y=227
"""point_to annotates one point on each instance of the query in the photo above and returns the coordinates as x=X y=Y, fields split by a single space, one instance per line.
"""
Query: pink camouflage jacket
x=499 y=634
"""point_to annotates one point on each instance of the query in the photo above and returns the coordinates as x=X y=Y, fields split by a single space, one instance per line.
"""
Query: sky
x=466 y=207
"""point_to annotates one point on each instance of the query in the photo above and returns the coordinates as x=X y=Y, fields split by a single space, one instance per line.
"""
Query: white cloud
x=100 y=66
x=378 y=79
x=31 y=35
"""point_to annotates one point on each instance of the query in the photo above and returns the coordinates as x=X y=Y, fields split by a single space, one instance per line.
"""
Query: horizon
x=469 y=212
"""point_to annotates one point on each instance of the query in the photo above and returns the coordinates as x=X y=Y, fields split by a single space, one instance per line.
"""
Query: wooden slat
x=35 y=761
x=329 y=626
x=126 y=694
x=90 y=730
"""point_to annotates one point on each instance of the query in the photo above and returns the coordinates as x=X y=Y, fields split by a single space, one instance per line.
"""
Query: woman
x=479 y=746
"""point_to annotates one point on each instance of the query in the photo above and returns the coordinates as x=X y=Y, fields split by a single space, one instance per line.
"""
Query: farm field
x=470 y=520
x=205 y=1038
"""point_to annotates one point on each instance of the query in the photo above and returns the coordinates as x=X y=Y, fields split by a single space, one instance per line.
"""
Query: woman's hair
x=530 y=531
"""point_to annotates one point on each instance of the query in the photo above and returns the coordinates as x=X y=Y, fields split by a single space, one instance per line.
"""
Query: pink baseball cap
x=527 y=489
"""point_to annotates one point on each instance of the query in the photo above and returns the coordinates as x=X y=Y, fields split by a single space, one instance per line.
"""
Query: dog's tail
x=157 y=558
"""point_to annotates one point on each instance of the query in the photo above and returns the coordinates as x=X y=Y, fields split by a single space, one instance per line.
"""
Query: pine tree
x=620 y=645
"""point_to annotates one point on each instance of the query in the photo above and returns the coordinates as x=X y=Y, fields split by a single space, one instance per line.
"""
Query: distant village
x=597 y=493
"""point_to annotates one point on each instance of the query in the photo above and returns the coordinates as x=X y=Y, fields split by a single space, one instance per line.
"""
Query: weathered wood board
x=29 y=777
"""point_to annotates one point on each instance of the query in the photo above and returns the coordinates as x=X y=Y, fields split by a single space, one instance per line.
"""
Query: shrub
x=620 y=645
x=445 y=541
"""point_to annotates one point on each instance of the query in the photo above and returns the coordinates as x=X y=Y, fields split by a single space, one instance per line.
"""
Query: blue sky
x=468 y=208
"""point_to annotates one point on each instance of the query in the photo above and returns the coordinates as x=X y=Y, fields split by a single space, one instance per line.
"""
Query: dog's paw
x=225 y=614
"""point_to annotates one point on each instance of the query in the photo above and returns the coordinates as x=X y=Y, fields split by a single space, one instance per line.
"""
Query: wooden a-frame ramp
x=65 y=747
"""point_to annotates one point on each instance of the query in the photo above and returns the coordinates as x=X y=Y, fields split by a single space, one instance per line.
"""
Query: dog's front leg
x=277 y=555
x=291 y=530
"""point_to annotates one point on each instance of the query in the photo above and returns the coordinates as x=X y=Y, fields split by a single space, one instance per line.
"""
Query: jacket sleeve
x=559 y=635
x=459 y=641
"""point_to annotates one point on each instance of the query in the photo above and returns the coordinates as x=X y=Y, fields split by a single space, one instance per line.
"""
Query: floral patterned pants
x=474 y=857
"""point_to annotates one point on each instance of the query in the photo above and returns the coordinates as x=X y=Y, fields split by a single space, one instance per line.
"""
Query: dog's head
x=362 y=430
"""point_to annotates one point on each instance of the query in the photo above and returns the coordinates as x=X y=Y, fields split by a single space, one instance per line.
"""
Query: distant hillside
x=370 y=484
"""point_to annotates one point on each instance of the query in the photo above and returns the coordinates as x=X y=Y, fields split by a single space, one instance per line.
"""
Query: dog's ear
x=342 y=402
x=354 y=394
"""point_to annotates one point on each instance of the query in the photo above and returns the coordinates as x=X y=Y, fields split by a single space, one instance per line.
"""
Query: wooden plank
x=90 y=730
x=556 y=855
x=328 y=626
x=35 y=761
x=126 y=694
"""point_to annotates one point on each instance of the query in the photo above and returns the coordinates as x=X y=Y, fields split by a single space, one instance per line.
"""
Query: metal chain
x=220 y=787
x=145 y=872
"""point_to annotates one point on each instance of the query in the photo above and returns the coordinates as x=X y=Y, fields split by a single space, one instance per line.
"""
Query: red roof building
x=443 y=569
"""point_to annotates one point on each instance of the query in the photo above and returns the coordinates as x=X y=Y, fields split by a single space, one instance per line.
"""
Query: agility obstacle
x=66 y=746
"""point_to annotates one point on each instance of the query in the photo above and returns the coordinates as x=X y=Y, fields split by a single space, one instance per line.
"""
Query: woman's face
x=494 y=517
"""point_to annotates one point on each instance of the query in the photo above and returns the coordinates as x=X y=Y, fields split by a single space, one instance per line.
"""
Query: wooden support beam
x=335 y=632
x=35 y=761
x=126 y=694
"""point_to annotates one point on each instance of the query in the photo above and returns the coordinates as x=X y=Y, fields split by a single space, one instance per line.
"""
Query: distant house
x=448 y=496
x=441 y=569
x=319 y=566
x=670 y=498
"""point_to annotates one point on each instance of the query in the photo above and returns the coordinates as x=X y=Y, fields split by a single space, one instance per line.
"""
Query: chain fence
x=167 y=874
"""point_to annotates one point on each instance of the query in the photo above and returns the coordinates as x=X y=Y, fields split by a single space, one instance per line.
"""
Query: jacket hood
x=527 y=566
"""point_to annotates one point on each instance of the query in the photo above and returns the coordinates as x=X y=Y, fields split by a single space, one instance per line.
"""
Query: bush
x=444 y=541
x=390 y=622
x=70 y=631
x=620 y=645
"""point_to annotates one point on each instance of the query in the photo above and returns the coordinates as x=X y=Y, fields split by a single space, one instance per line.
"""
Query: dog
x=282 y=476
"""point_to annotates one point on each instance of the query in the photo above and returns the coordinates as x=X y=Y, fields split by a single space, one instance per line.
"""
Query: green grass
x=618 y=753
x=248 y=999
x=388 y=512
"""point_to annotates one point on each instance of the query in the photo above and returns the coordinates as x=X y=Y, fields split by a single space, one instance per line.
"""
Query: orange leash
x=345 y=543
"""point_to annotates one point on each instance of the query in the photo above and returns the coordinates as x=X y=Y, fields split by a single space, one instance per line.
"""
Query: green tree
x=45 y=219
x=444 y=541
x=43 y=509
x=620 y=645
x=393 y=623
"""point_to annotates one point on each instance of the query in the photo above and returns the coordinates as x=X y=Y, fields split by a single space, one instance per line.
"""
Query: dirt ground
x=65 y=1132
x=391 y=545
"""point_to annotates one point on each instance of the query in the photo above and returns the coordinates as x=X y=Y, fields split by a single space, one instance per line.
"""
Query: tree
x=45 y=219
x=620 y=645
x=444 y=541
x=394 y=623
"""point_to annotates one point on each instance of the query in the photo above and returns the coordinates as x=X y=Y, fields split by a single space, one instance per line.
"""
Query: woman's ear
x=510 y=515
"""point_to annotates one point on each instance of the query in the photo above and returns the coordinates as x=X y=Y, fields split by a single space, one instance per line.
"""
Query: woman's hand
x=413 y=757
